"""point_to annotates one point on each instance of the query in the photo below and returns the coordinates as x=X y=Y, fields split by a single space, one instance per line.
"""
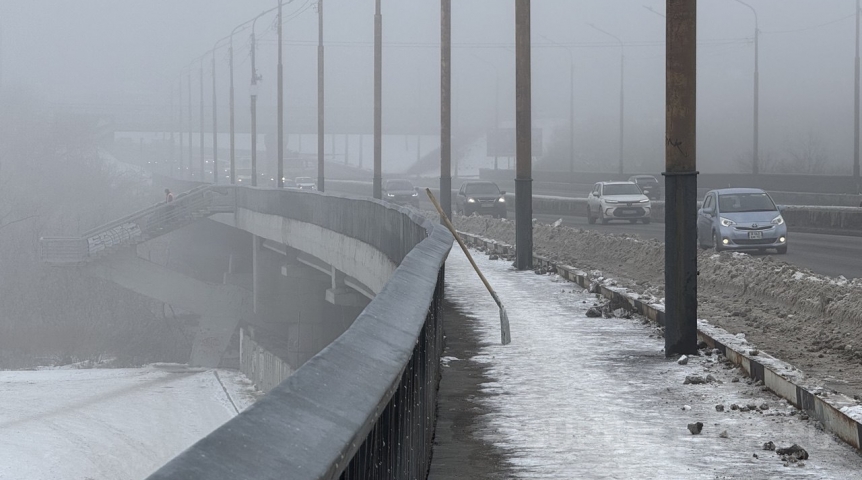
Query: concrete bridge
x=335 y=305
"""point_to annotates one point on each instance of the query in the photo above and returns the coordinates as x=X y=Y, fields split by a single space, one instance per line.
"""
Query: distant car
x=618 y=201
x=401 y=192
x=648 y=184
x=484 y=198
x=740 y=219
x=305 y=183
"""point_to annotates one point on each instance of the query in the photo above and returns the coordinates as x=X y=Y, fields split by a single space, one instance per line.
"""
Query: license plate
x=755 y=235
x=628 y=211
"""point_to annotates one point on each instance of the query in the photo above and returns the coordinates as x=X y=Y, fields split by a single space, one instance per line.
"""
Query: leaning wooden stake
x=505 y=334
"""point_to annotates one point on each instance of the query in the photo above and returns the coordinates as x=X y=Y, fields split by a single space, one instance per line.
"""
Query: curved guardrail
x=364 y=407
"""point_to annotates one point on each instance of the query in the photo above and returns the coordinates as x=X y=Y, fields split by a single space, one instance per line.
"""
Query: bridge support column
x=342 y=295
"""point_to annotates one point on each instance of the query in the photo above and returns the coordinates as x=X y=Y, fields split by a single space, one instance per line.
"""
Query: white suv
x=618 y=201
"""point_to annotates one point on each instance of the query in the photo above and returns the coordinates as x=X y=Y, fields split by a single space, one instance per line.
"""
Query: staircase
x=149 y=223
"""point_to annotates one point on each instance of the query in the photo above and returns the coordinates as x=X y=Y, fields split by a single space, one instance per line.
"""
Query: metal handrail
x=149 y=210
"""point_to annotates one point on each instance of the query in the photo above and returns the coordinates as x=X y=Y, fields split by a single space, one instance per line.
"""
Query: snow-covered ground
x=577 y=397
x=111 y=424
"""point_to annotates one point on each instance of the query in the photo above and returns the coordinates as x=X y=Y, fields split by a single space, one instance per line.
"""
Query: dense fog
x=123 y=56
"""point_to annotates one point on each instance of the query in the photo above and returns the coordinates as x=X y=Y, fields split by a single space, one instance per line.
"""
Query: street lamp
x=377 y=183
x=571 y=106
x=755 y=167
x=856 y=104
x=622 y=90
x=496 y=102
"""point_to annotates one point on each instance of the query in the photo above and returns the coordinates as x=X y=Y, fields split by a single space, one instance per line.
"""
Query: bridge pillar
x=341 y=295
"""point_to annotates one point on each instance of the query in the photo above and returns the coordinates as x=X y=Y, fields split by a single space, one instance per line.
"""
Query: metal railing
x=364 y=407
x=142 y=225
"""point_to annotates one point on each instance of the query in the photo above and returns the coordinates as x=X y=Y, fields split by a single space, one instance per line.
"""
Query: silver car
x=740 y=219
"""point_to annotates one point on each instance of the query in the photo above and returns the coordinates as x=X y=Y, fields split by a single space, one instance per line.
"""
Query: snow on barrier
x=839 y=414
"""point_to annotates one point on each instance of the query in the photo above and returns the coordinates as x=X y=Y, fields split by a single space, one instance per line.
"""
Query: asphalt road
x=825 y=254
x=831 y=255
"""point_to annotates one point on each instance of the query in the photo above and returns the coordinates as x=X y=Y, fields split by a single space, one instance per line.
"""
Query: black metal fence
x=364 y=407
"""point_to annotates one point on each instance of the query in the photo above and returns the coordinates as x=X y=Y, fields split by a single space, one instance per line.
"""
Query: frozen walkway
x=577 y=397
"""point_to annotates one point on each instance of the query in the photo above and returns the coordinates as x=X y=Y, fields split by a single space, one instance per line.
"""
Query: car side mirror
x=781 y=208
x=502 y=192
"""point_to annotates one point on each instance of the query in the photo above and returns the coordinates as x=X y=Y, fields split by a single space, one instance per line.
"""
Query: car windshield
x=645 y=180
x=304 y=180
x=482 y=189
x=621 y=189
x=745 y=202
x=399 y=185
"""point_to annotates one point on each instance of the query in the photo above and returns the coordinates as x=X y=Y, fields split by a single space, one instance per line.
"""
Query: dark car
x=401 y=192
x=484 y=198
x=648 y=184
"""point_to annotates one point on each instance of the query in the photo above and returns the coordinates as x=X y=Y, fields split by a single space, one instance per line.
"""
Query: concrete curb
x=826 y=412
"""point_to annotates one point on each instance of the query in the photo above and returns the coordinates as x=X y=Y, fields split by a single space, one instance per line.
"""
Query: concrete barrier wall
x=839 y=184
x=366 y=404
x=835 y=220
x=261 y=366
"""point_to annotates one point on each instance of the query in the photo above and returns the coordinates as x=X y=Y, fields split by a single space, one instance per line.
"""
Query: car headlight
x=726 y=222
x=471 y=200
x=643 y=201
x=390 y=195
x=415 y=194
x=611 y=201
x=502 y=200
x=779 y=220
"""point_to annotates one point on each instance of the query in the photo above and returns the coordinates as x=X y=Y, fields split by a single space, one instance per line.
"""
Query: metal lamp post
x=755 y=164
x=622 y=93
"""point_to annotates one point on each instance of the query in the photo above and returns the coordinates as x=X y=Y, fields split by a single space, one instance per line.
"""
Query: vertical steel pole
x=232 y=124
x=215 y=125
x=253 y=113
x=378 y=104
x=524 y=133
x=201 y=71
x=446 y=106
x=756 y=161
x=180 y=126
x=856 y=104
x=496 y=118
x=622 y=107
x=681 y=179
x=189 y=78
x=171 y=119
x=321 y=177
x=571 y=117
x=280 y=179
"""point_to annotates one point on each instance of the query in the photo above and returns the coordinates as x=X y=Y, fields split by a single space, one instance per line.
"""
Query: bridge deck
x=578 y=397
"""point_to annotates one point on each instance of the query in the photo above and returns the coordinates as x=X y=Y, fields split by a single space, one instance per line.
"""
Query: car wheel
x=503 y=215
x=716 y=244
x=647 y=220
x=590 y=218
x=781 y=250
x=604 y=219
x=633 y=220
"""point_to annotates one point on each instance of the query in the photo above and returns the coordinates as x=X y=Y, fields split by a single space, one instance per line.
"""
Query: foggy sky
x=125 y=52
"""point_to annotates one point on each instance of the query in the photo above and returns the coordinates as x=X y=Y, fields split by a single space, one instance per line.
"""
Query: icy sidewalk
x=577 y=397
x=109 y=424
